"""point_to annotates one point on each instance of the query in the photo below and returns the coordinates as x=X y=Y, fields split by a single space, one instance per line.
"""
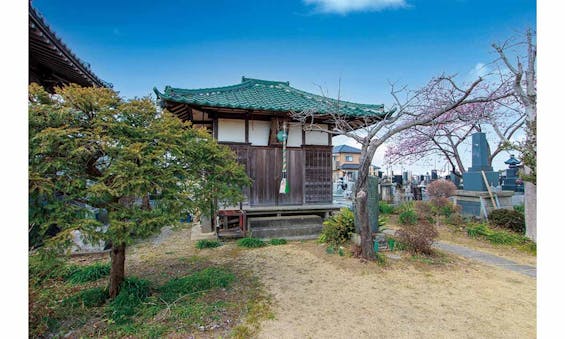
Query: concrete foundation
x=470 y=202
x=287 y=227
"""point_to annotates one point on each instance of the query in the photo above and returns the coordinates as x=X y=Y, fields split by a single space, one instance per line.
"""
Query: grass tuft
x=251 y=243
x=278 y=242
x=205 y=243
x=92 y=297
x=83 y=274
x=132 y=293
x=201 y=281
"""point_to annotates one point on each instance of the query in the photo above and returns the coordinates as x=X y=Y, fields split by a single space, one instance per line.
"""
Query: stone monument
x=473 y=180
x=474 y=198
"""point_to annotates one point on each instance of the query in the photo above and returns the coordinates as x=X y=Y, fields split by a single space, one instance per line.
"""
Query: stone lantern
x=509 y=182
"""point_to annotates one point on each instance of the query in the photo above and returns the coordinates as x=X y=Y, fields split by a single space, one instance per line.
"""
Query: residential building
x=346 y=160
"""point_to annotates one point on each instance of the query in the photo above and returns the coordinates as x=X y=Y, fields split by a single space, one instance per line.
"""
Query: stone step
x=290 y=232
x=284 y=221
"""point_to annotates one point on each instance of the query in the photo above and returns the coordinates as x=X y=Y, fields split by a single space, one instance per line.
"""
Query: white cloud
x=346 y=6
x=480 y=70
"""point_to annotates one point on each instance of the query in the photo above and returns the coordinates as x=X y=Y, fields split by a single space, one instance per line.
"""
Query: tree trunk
x=530 y=202
x=117 y=272
x=361 y=197
x=367 y=249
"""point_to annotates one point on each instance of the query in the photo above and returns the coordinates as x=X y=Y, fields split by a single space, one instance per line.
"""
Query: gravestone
x=473 y=179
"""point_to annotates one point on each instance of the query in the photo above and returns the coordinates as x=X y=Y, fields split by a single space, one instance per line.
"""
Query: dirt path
x=322 y=296
x=486 y=258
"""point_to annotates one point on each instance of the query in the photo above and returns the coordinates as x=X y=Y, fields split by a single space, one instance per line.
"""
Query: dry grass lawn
x=318 y=295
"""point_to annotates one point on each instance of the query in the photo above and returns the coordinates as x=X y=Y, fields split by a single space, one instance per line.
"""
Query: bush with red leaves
x=418 y=238
x=441 y=189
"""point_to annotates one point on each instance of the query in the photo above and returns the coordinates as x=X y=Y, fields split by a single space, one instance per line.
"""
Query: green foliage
x=385 y=208
x=508 y=219
x=338 y=228
x=82 y=274
x=132 y=293
x=382 y=223
x=408 y=217
x=91 y=150
x=45 y=265
x=499 y=237
x=519 y=208
x=380 y=258
x=528 y=150
x=205 y=243
x=391 y=242
x=340 y=252
x=476 y=230
x=204 y=280
x=278 y=242
x=92 y=297
x=405 y=206
x=251 y=243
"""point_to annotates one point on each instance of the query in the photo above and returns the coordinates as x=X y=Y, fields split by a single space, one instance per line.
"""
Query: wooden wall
x=309 y=172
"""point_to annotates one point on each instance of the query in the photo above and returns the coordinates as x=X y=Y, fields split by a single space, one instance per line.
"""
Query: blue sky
x=136 y=45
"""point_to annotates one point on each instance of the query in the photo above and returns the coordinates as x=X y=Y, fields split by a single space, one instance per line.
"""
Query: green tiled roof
x=255 y=94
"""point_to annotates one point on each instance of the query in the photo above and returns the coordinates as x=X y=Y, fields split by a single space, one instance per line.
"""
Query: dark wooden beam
x=247 y=127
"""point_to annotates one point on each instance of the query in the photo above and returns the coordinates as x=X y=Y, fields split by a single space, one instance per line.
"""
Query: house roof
x=52 y=62
x=349 y=166
x=265 y=95
x=345 y=149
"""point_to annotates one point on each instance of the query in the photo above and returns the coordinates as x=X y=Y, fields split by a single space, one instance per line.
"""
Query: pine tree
x=90 y=150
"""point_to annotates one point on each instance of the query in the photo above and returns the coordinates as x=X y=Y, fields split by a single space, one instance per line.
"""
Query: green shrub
x=338 y=228
x=382 y=223
x=519 y=208
x=381 y=258
x=391 y=242
x=508 y=219
x=385 y=208
x=82 y=274
x=277 y=242
x=204 y=280
x=205 y=243
x=502 y=238
x=408 y=217
x=405 y=206
x=498 y=236
x=132 y=293
x=251 y=242
x=476 y=230
x=92 y=297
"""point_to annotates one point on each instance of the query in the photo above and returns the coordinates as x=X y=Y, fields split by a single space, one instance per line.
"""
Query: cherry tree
x=447 y=137
x=439 y=99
